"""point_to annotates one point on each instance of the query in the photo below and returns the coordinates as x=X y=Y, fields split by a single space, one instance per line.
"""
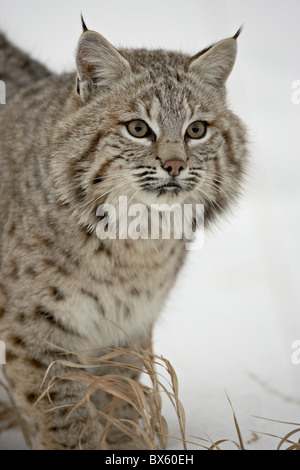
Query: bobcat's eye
x=196 y=130
x=138 y=128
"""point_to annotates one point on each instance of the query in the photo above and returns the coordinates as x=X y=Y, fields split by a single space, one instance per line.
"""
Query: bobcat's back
x=17 y=69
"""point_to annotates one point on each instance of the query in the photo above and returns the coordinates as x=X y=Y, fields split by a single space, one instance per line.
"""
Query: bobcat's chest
x=121 y=300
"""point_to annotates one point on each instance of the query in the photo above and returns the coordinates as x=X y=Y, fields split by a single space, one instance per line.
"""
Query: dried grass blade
x=221 y=441
x=19 y=418
x=236 y=425
x=276 y=421
x=284 y=439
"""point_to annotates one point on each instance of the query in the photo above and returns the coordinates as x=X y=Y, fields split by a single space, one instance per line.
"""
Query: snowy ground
x=234 y=313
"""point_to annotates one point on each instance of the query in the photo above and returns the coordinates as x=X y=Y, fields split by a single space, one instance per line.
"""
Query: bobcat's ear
x=215 y=63
x=98 y=63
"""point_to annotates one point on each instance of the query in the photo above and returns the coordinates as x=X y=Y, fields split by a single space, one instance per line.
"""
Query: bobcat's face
x=158 y=133
x=169 y=143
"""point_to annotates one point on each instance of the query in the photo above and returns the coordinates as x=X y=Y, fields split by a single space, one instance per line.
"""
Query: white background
x=234 y=313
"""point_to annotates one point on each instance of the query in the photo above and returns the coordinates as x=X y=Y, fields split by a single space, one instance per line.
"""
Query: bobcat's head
x=153 y=126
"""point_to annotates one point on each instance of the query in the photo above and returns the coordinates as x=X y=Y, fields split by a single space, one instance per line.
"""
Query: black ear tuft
x=84 y=26
x=238 y=32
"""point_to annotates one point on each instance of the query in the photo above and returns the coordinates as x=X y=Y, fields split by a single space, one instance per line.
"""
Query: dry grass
x=10 y=417
x=148 y=429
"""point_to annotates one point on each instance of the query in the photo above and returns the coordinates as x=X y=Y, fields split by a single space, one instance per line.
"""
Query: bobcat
x=149 y=124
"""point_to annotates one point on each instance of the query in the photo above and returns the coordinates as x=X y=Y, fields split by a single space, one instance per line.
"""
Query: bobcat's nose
x=174 y=167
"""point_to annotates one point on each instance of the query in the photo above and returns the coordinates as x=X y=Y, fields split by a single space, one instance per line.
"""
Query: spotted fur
x=64 y=150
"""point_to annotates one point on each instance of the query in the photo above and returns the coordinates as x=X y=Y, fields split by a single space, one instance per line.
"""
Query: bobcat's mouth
x=169 y=187
x=172 y=184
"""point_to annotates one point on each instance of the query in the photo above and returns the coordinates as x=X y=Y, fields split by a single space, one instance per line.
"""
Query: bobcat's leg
x=48 y=417
x=116 y=438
